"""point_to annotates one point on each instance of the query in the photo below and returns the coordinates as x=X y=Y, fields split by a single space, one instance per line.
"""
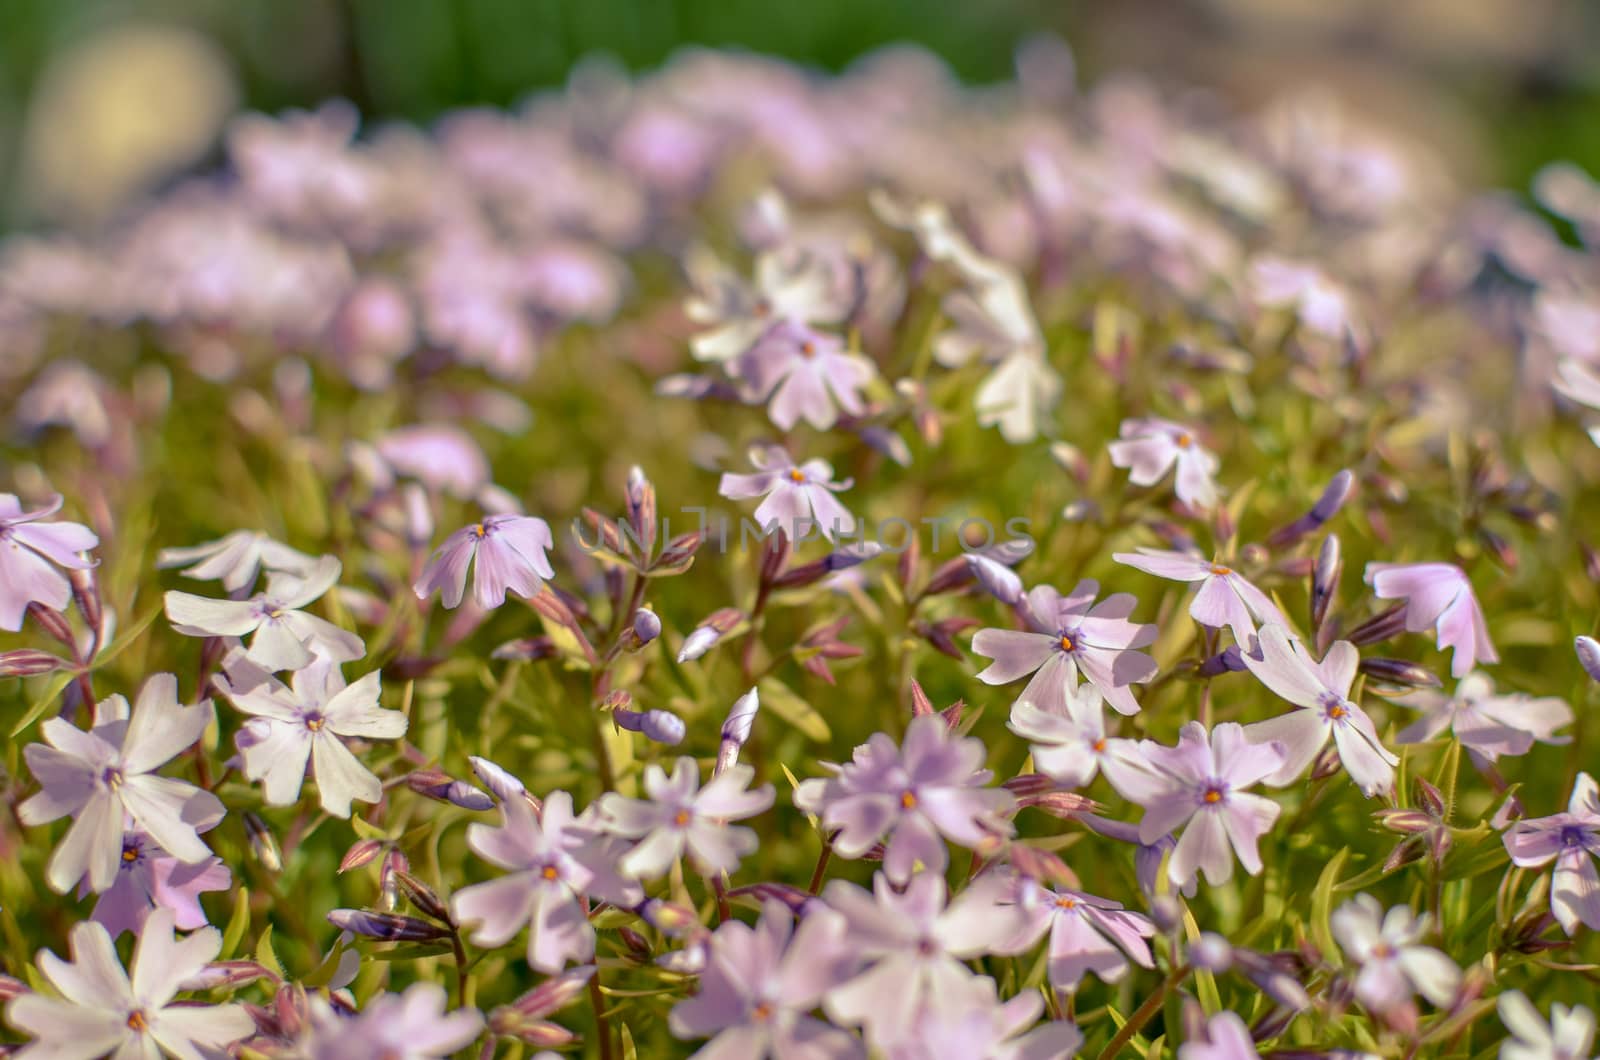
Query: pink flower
x=1322 y=690
x=1226 y=1038
x=791 y=291
x=806 y=375
x=1226 y=597
x=1071 y=634
x=440 y=456
x=930 y=789
x=1321 y=305
x=978 y=1024
x=30 y=552
x=1572 y=841
x=760 y=985
x=511 y=556
x=681 y=816
x=1150 y=448
x=1438 y=595
x=1393 y=966
x=797 y=498
x=415 y=1025
x=149 y=878
x=1202 y=782
x=1071 y=746
x=1087 y=933
x=1486 y=724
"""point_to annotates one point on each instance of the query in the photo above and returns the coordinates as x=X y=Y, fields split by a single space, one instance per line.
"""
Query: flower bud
x=500 y=783
x=999 y=581
x=641 y=496
x=389 y=927
x=1166 y=912
x=1325 y=579
x=442 y=787
x=646 y=626
x=1211 y=952
x=28 y=662
x=1229 y=660
x=736 y=729
x=86 y=594
x=667 y=917
x=362 y=852
x=705 y=636
x=262 y=843
x=1380 y=627
x=422 y=896
x=1589 y=656
x=527 y=649
x=1400 y=672
x=658 y=725
x=554 y=993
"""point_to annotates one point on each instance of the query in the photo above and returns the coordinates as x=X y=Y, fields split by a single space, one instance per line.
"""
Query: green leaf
x=265 y=955
x=36 y=710
x=1322 y=904
x=238 y=924
x=414 y=952
x=1204 y=982
x=127 y=637
x=786 y=704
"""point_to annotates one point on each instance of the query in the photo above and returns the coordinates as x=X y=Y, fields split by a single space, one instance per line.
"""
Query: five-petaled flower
x=1394 y=965
x=1488 y=725
x=1226 y=597
x=929 y=789
x=1069 y=635
x=798 y=497
x=1321 y=690
x=30 y=553
x=1572 y=841
x=1438 y=596
x=1087 y=933
x=1072 y=745
x=1149 y=448
x=98 y=777
x=284 y=637
x=510 y=553
x=680 y=816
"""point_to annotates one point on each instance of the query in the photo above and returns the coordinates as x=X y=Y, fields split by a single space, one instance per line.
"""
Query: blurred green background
x=102 y=99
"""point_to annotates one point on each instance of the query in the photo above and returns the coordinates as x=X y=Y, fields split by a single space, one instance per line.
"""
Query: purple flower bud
x=1211 y=952
x=646 y=625
x=1589 y=655
x=851 y=555
x=29 y=662
x=1325 y=579
x=422 y=896
x=1167 y=913
x=219 y=974
x=659 y=725
x=1400 y=672
x=262 y=843
x=1380 y=627
x=528 y=649
x=390 y=927
x=667 y=917
x=1333 y=497
x=419 y=515
x=554 y=993
x=698 y=642
x=500 y=783
x=641 y=497
x=889 y=443
x=362 y=852
x=736 y=729
x=1228 y=661
x=999 y=581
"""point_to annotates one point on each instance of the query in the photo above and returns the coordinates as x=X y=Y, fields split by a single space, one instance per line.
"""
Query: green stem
x=1142 y=1014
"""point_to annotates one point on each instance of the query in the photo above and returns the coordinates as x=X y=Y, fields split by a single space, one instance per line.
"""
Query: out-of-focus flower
x=680 y=816
x=930 y=789
x=510 y=553
x=1201 y=782
x=912 y=947
x=234 y=559
x=1149 y=448
x=1071 y=746
x=414 y=1025
x=1568 y=1036
x=552 y=860
x=439 y=455
x=1226 y=597
x=1572 y=841
x=97 y=777
x=811 y=377
x=1486 y=724
x=101 y=1012
x=1071 y=634
x=149 y=878
x=792 y=294
x=1321 y=305
x=294 y=725
x=797 y=497
x=30 y=552
x=1321 y=690
x=1394 y=966
x=761 y=983
x=1226 y=1038
x=1438 y=596
x=283 y=637
x=978 y=1024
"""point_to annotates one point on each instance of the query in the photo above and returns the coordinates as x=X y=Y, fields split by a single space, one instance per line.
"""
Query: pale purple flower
x=930 y=789
x=1202 y=782
x=797 y=497
x=1321 y=690
x=1320 y=304
x=439 y=455
x=552 y=860
x=680 y=816
x=102 y=1012
x=806 y=375
x=511 y=555
x=979 y=1026
x=913 y=948
x=1072 y=745
x=1568 y=1036
x=149 y=878
x=31 y=552
x=97 y=777
x=415 y=1025
x=1226 y=1038
x=1486 y=724
x=283 y=637
x=760 y=984
x=1149 y=448
x=235 y=559
x=1394 y=966
x=1226 y=597
x=1572 y=841
x=1087 y=933
x=1071 y=634
x=792 y=292
x=1438 y=596
x=303 y=723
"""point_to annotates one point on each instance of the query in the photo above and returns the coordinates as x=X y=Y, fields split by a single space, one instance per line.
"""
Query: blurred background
x=100 y=100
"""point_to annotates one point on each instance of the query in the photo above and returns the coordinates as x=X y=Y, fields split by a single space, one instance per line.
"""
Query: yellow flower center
x=1219 y=570
x=130 y=855
x=1099 y=745
x=1213 y=795
x=1066 y=902
x=480 y=531
x=796 y=475
x=761 y=1013
x=550 y=872
x=808 y=349
x=1336 y=712
x=1066 y=643
x=1185 y=440
x=681 y=818
x=137 y=1022
x=908 y=799
x=315 y=723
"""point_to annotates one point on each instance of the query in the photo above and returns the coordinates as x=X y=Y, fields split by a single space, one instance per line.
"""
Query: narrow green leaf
x=47 y=698
x=1322 y=904
x=238 y=924
x=787 y=704
x=265 y=955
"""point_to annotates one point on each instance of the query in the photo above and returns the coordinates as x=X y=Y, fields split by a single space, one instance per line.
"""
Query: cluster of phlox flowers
x=748 y=563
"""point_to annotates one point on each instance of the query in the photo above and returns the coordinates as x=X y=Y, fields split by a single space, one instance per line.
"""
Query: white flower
x=1393 y=965
x=286 y=638
x=292 y=725
x=235 y=558
x=410 y=1026
x=680 y=815
x=1568 y=1035
x=97 y=777
x=101 y=1012
x=1149 y=448
x=1486 y=724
